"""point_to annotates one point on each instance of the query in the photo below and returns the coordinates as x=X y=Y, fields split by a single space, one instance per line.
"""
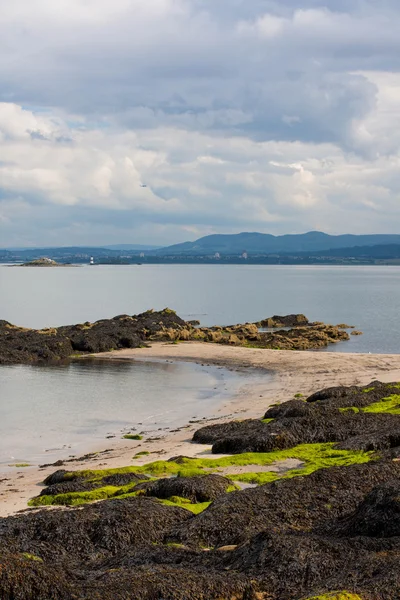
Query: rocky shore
x=291 y=332
x=300 y=503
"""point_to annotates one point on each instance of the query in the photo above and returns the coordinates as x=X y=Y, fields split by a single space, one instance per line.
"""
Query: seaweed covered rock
x=66 y=482
x=20 y=345
x=297 y=504
x=350 y=430
x=60 y=476
x=284 y=321
x=164 y=582
x=292 y=566
x=24 y=576
x=303 y=338
x=292 y=408
x=378 y=515
x=68 y=487
x=355 y=418
x=123 y=331
x=212 y=433
x=101 y=529
x=205 y=488
x=354 y=396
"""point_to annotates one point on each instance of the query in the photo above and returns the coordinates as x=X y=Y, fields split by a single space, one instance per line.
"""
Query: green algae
x=267 y=420
x=144 y=453
x=389 y=405
x=133 y=436
x=20 y=465
x=315 y=456
x=258 y=478
x=336 y=596
x=79 y=498
x=196 y=509
x=33 y=557
x=312 y=456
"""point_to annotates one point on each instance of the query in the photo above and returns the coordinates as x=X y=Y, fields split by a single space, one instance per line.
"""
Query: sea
x=54 y=412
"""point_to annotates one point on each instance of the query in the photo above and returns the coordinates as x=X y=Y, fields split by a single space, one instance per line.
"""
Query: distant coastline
x=312 y=248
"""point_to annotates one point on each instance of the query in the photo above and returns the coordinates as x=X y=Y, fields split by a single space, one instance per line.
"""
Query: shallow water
x=53 y=412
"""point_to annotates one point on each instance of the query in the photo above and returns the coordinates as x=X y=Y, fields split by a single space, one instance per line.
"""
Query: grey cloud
x=196 y=71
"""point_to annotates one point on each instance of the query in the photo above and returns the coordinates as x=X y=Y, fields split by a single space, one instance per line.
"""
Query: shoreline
x=289 y=373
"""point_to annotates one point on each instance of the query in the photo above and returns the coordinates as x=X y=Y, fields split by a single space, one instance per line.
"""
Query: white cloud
x=280 y=116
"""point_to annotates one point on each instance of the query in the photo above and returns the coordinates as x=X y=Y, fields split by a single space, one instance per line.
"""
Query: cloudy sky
x=237 y=115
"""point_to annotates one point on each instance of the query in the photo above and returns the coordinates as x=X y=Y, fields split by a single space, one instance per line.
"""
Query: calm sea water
x=48 y=412
x=53 y=412
x=367 y=297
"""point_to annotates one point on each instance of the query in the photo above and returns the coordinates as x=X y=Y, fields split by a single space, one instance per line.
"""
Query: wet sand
x=289 y=373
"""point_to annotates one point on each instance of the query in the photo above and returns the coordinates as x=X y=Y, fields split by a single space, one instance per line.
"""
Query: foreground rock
x=330 y=529
x=21 y=345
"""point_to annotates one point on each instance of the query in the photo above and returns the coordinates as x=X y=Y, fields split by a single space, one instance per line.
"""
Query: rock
x=43 y=262
x=205 y=488
x=19 y=345
x=284 y=321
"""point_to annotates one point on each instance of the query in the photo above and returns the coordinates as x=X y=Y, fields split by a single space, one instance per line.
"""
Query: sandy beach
x=288 y=372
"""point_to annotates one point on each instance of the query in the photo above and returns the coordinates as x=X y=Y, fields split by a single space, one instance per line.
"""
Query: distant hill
x=132 y=247
x=264 y=243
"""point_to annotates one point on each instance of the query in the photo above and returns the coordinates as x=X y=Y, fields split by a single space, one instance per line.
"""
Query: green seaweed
x=389 y=405
x=33 y=557
x=267 y=420
x=144 y=453
x=133 y=436
x=78 y=498
x=336 y=596
x=196 y=509
x=257 y=478
x=315 y=456
x=20 y=465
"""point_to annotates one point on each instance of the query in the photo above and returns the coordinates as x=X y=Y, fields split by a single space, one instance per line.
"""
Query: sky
x=161 y=121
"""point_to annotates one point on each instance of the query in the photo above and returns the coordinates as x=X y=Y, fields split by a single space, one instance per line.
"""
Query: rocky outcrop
x=205 y=488
x=20 y=345
x=44 y=262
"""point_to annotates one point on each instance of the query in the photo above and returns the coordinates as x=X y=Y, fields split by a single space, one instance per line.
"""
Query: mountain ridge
x=265 y=243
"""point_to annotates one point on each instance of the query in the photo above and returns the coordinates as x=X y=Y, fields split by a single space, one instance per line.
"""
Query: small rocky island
x=325 y=525
x=44 y=262
x=291 y=332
